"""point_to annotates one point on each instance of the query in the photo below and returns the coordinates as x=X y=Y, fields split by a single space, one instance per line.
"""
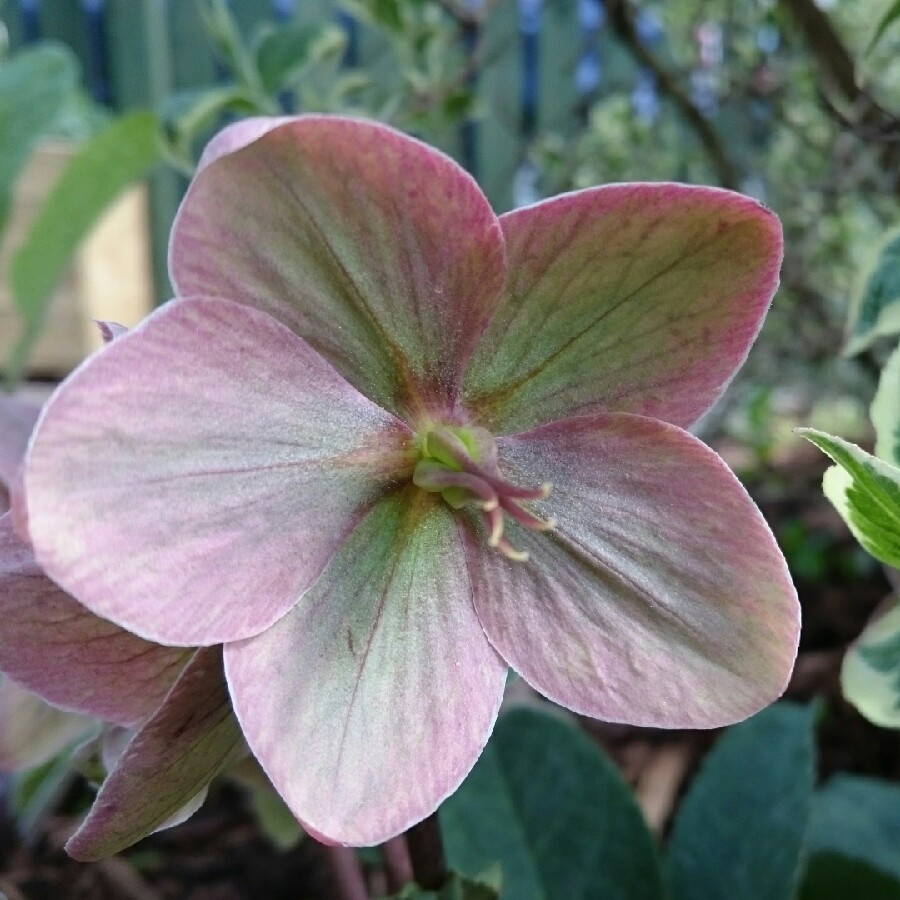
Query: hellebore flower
x=167 y=707
x=373 y=398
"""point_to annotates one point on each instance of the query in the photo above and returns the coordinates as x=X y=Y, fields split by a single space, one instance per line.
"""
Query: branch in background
x=621 y=15
x=868 y=119
x=468 y=15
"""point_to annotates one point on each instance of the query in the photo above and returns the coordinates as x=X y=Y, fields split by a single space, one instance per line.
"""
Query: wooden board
x=110 y=277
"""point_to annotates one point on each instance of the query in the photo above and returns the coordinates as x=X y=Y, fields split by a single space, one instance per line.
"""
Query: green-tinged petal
x=32 y=731
x=637 y=298
x=194 y=478
x=870 y=675
x=379 y=251
x=371 y=700
x=170 y=760
x=660 y=599
x=865 y=491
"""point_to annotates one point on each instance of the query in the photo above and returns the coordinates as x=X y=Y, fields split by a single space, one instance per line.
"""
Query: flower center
x=460 y=464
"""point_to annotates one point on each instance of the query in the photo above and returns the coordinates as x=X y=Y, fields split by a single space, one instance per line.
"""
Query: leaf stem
x=426 y=850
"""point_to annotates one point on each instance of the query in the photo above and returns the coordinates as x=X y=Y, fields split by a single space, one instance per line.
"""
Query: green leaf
x=865 y=491
x=876 y=309
x=891 y=15
x=830 y=876
x=886 y=411
x=284 y=53
x=189 y=117
x=859 y=818
x=35 y=87
x=228 y=42
x=544 y=802
x=457 y=888
x=106 y=165
x=739 y=832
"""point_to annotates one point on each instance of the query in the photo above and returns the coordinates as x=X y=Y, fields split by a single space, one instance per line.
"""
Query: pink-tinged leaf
x=192 y=480
x=53 y=645
x=170 y=760
x=382 y=675
x=636 y=298
x=660 y=599
x=17 y=418
x=32 y=731
x=378 y=250
x=109 y=331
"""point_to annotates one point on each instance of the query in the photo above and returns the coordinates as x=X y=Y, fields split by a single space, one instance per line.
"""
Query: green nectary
x=461 y=464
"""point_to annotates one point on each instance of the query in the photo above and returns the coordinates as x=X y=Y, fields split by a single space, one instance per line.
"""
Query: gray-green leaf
x=546 y=804
x=859 y=818
x=739 y=832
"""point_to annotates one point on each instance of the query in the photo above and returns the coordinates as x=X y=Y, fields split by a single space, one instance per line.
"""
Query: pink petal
x=371 y=700
x=54 y=646
x=17 y=418
x=239 y=135
x=661 y=598
x=379 y=251
x=638 y=298
x=173 y=757
x=32 y=731
x=193 y=479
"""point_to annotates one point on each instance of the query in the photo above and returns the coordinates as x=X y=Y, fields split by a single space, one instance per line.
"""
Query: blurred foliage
x=791 y=102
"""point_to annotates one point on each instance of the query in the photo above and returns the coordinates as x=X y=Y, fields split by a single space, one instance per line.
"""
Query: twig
x=621 y=16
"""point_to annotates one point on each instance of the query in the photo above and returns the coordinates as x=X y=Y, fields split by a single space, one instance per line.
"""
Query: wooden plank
x=109 y=279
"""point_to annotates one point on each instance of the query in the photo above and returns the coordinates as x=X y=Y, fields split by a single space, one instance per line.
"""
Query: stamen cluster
x=461 y=464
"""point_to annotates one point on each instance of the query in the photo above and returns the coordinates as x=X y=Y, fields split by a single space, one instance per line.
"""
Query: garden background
x=794 y=102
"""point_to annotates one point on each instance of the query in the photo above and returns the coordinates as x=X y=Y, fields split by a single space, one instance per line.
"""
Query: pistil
x=461 y=464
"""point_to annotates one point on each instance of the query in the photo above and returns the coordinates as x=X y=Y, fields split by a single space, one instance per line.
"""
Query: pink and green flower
x=69 y=674
x=386 y=444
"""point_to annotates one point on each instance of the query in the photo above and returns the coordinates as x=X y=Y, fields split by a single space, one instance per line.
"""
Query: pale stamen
x=433 y=476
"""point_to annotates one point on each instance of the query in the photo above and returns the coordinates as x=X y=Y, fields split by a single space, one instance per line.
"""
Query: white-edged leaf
x=885 y=411
x=865 y=491
x=876 y=308
x=870 y=674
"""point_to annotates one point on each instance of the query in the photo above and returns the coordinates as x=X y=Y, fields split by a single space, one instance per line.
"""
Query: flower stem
x=347 y=873
x=397 y=863
x=426 y=850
